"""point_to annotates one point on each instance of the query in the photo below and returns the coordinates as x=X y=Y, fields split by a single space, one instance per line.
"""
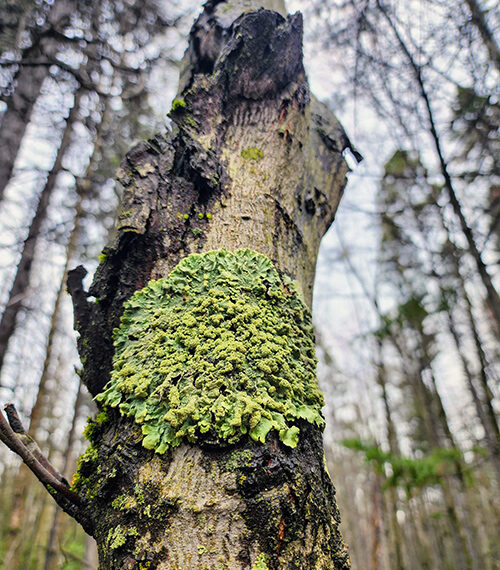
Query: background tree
x=437 y=49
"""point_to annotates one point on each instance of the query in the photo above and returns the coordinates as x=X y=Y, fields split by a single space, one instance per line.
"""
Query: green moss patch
x=261 y=562
x=222 y=348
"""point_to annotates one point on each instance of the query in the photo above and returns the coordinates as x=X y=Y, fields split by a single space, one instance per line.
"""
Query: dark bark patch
x=288 y=496
x=263 y=56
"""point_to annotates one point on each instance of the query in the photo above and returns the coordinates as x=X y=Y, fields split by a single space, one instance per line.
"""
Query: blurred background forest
x=406 y=307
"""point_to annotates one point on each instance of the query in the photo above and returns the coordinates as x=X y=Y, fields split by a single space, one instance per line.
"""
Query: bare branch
x=30 y=443
x=49 y=481
x=69 y=501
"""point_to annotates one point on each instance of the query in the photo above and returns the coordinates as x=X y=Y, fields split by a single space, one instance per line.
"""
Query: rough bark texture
x=255 y=162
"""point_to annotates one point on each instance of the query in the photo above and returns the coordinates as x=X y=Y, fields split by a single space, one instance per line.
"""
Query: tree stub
x=217 y=480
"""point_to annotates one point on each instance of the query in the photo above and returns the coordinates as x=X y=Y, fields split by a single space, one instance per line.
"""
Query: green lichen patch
x=261 y=562
x=220 y=349
x=117 y=536
x=252 y=153
x=178 y=104
x=88 y=461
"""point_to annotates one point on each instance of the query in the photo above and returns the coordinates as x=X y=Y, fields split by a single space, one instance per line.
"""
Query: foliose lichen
x=222 y=348
x=261 y=562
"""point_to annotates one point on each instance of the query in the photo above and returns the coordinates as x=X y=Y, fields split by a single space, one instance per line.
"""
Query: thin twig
x=15 y=444
x=69 y=501
x=18 y=428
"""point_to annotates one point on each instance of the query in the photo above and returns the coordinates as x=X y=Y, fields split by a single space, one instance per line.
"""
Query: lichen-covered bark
x=253 y=161
x=211 y=506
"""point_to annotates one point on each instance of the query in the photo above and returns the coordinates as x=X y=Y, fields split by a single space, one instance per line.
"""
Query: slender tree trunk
x=487 y=393
x=479 y=20
x=23 y=478
x=20 y=286
x=27 y=85
x=82 y=186
x=255 y=163
x=376 y=522
x=17 y=115
x=397 y=562
x=484 y=403
x=432 y=423
x=491 y=443
x=39 y=407
x=69 y=459
x=462 y=533
x=423 y=551
x=439 y=421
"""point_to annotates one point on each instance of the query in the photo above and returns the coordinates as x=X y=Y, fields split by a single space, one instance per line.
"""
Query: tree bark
x=253 y=162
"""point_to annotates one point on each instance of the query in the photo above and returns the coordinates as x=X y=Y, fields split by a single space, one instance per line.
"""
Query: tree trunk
x=23 y=477
x=17 y=115
x=396 y=551
x=488 y=397
x=253 y=162
x=33 y=70
x=491 y=441
x=376 y=521
x=22 y=278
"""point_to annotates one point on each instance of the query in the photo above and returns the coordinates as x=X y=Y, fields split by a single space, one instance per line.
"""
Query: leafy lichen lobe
x=222 y=348
x=261 y=563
